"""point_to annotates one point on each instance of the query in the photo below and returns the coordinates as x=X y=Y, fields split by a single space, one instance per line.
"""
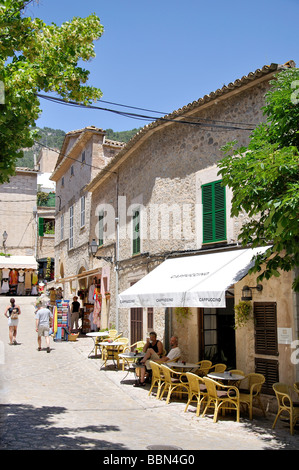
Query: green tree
x=36 y=57
x=265 y=183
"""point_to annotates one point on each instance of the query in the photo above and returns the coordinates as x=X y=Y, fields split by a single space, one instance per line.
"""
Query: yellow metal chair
x=172 y=382
x=156 y=378
x=285 y=404
x=252 y=393
x=296 y=387
x=225 y=397
x=197 y=391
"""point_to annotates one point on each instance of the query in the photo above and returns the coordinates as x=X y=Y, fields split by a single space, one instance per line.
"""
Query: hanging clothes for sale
x=5 y=286
x=5 y=273
x=28 y=280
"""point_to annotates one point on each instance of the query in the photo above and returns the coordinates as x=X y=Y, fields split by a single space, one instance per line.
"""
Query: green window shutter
x=136 y=232
x=41 y=224
x=214 y=212
x=101 y=229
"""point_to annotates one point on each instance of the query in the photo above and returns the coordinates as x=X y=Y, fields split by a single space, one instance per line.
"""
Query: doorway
x=217 y=340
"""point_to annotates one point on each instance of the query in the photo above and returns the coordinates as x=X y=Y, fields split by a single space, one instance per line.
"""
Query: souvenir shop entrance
x=18 y=275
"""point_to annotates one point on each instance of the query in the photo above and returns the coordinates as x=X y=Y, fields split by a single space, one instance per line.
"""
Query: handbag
x=14 y=314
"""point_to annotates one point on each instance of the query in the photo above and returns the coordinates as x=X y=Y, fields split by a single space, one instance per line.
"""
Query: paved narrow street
x=64 y=400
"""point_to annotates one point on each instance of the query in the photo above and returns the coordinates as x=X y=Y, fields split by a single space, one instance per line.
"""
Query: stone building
x=46 y=188
x=148 y=206
x=83 y=154
x=18 y=229
x=18 y=202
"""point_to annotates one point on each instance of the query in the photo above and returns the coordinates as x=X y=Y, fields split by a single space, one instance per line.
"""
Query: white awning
x=18 y=262
x=191 y=281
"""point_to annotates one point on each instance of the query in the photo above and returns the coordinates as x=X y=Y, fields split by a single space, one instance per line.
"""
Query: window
x=72 y=170
x=150 y=318
x=62 y=227
x=265 y=323
x=136 y=232
x=71 y=239
x=62 y=181
x=83 y=156
x=82 y=213
x=101 y=229
x=265 y=328
x=214 y=213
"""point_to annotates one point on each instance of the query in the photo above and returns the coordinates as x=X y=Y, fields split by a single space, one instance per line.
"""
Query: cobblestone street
x=65 y=401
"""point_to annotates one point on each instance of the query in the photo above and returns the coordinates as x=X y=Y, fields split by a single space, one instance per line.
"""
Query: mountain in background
x=53 y=138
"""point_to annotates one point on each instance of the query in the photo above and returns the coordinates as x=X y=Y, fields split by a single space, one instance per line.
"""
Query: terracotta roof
x=175 y=115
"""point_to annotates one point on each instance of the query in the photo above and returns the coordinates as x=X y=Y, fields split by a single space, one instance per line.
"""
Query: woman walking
x=12 y=313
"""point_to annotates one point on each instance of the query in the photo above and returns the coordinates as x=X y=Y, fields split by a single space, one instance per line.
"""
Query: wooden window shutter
x=269 y=369
x=41 y=224
x=136 y=232
x=101 y=229
x=265 y=320
x=214 y=212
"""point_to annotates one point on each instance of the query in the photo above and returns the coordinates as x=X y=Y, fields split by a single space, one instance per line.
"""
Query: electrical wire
x=145 y=117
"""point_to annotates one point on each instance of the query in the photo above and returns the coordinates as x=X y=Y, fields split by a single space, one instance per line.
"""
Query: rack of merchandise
x=88 y=309
x=61 y=320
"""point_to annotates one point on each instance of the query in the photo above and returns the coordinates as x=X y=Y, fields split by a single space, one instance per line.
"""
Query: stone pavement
x=65 y=401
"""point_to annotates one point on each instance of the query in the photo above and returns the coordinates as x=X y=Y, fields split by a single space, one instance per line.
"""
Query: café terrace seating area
x=211 y=389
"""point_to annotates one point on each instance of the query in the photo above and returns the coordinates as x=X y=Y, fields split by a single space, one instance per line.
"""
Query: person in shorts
x=43 y=316
x=12 y=312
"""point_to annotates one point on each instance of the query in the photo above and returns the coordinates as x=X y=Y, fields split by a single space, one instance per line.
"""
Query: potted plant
x=242 y=313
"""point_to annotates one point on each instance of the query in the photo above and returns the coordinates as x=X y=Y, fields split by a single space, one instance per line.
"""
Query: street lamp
x=93 y=248
x=247 y=291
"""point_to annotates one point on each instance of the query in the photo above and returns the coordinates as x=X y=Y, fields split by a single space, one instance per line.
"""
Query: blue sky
x=162 y=54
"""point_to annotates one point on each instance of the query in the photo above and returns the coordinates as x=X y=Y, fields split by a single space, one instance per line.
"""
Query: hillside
x=53 y=138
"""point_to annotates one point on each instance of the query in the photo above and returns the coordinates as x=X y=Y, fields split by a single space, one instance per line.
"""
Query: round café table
x=94 y=335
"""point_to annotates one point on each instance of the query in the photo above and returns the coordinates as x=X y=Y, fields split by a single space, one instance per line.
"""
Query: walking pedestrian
x=12 y=312
x=42 y=319
x=75 y=308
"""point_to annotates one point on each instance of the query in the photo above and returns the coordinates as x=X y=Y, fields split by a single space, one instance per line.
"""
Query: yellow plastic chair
x=218 y=368
x=172 y=382
x=204 y=367
x=285 y=404
x=252 y=393
x=197 y=391
x=219 y=396
x=156 y=378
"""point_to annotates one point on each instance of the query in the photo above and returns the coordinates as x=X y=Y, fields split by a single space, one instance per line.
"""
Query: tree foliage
x=36 y=57
x=264 y=178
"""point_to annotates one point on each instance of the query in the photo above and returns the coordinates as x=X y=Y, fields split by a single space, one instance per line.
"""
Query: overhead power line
x=203 y=123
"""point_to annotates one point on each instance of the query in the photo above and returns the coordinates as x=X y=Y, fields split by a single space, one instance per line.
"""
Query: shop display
x=18 y=282
x=61 y=316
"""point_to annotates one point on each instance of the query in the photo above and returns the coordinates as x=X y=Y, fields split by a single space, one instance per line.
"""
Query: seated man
x=151 y=355
x=153 y=343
